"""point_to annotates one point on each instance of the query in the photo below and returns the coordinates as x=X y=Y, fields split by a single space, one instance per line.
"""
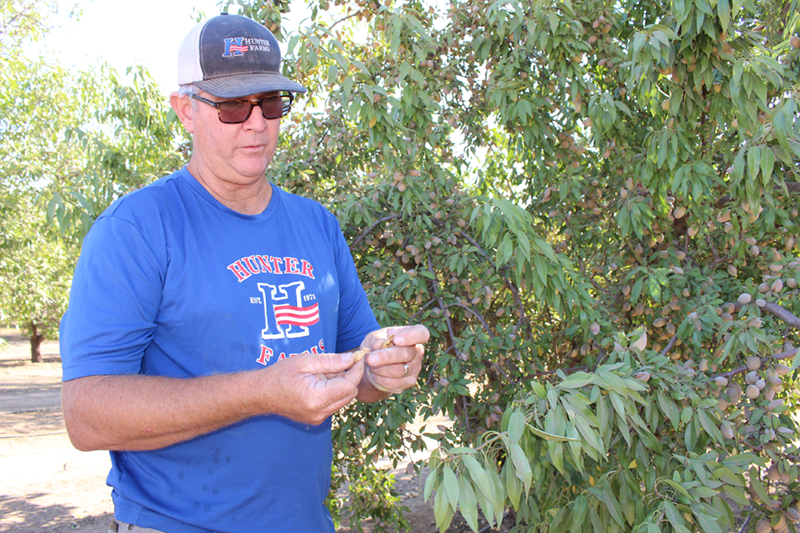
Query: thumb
x=333 y=363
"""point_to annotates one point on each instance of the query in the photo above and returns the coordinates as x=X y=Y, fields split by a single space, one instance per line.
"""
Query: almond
x=744 y=298
x=753 y=362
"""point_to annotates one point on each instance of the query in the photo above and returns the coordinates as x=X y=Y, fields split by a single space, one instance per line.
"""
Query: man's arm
x=386 y=373
x=133 y=412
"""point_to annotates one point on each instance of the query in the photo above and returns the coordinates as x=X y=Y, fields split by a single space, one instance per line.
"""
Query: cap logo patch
x=234 y=47
x=237 y=46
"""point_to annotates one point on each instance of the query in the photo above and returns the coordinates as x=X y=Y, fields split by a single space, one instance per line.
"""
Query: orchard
x=593 y=206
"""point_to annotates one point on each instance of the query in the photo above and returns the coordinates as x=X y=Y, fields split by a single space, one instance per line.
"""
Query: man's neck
x=248 y=199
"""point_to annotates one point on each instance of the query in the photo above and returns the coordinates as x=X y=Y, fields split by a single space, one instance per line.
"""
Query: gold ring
x=405 y=369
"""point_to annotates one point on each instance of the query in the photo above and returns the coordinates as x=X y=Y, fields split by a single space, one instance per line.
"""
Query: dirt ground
x=47 y=485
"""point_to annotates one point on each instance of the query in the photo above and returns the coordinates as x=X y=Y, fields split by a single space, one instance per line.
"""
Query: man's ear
x=183 y=108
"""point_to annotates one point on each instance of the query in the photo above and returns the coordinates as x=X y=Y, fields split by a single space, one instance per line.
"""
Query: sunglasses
x=238 y=111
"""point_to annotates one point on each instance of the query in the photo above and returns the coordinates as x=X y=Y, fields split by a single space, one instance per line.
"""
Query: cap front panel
x=235 y=45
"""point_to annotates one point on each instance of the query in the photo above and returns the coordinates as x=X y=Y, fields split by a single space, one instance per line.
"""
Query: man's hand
x=396 y=368
x=309 y=388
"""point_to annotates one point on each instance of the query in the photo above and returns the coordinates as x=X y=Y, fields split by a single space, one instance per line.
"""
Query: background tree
x=36 y=267
x=593 y=206
x=72 y=142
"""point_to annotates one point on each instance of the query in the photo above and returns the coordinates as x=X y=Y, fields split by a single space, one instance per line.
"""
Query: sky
x=145 y=32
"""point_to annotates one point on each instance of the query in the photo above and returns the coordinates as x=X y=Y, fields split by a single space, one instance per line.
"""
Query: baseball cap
x=231 y=56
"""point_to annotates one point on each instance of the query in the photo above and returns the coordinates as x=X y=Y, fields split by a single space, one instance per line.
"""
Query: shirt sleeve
x=114 y=301
x=356 y=318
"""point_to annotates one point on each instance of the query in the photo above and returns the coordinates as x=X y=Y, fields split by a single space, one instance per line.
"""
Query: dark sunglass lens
x=234 y=112
x=272 y=107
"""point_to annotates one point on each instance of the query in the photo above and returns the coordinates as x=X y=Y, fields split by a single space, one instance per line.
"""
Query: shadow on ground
x=25 y=515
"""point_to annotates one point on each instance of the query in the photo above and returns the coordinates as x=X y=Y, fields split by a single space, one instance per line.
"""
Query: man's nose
x=256 y=120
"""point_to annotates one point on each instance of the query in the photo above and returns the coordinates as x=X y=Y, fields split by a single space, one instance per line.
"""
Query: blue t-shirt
x=172 y=283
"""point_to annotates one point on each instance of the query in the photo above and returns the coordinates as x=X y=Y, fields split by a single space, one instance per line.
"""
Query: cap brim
x=247 y=84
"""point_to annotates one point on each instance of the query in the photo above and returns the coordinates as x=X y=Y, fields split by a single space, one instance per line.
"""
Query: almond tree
x=593 y=207
x=72 y=142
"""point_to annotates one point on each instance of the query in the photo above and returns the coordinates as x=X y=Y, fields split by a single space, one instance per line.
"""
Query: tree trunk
x=36 y=341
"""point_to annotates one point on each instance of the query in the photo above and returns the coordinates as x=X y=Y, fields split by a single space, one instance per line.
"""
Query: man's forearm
x=149 y=412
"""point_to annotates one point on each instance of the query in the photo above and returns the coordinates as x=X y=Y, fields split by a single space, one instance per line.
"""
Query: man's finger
x=342 y=403
x=331 y=391
x=410 y=335
x=354 y=374
x=395 y=355
x=332 y=363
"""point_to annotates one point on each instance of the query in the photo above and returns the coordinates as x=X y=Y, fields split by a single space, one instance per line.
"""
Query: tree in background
x=593 y=207
x=72 y=142
x=36 y=267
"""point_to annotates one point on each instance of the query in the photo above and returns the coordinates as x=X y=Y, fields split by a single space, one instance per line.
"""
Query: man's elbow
x=81 y=431
x=80 y=443
x=79 y=435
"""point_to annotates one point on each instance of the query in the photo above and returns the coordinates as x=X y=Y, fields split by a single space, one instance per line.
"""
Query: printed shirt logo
x=296 y=316
x=283 y=306
x=289 y=308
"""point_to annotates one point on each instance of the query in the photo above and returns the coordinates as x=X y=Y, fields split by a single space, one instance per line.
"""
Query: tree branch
x=784 y=314
x=477 y=315
x=342 y=20
x=791 y=186
x=372 y=228
x=443 y=308
x=509 y=285
x=669 y=346
x=730 y=373
x=549 y=372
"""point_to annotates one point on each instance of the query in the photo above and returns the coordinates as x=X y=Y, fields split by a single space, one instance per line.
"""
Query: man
x=208 y=315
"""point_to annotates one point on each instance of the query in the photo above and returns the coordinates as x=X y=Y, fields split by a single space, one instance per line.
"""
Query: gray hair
x=186 y=90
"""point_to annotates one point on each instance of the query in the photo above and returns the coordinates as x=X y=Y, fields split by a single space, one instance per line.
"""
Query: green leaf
x=767 y=164
x=538 y=389
x=579 y=510
x=512 y=484
x=757 y=486
x=451 y=486
x=704 y=492
x=430 y=484
x=442 y=512
x=550 y=436
x=499 y=497
x=613 y=506
x=737 y=495
x=668 y=408
x=674 y=517
x=576 y=381
x=796 y=361
x=478 y=475
x=516 y=426
x=521 y=465
x=677 y=486
x=467 y=503
x=710 y=427
x=753 y=161
x=617 y=403
x=553 y=18
x=333 y=73
x=707 y=523
x=724 y=11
